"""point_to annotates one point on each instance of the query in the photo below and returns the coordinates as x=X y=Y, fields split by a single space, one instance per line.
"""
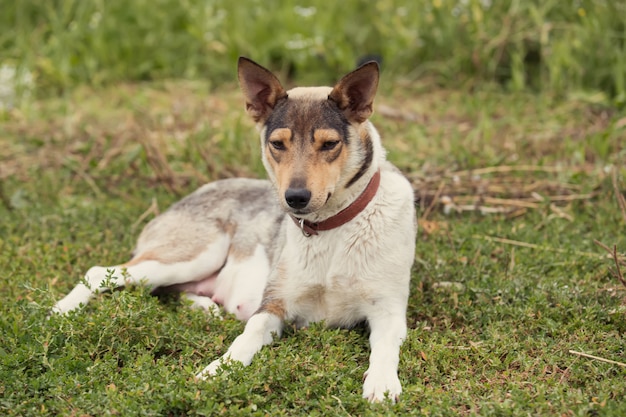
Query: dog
x=329 y=237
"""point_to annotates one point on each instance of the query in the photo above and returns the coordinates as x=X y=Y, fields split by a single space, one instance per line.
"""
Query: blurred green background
x=563 y=47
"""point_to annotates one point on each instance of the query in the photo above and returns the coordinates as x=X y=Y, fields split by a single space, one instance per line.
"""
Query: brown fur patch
x=324 y=138
x=313 y=295
x=273 y=306
x=282 y=133
x=142 y=257
x=279 y=144
x=272 y=302
x=241 y=251
x=227 y=227
x=166 y=255
x=323 y=135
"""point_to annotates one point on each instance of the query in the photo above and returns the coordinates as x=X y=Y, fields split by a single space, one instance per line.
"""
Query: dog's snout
x=297 y=198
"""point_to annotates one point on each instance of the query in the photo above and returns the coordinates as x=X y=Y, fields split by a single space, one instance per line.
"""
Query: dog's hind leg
x=147 y=268
x=203 y=302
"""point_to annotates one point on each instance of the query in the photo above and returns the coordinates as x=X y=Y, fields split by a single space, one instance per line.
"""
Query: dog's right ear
x=260 y=87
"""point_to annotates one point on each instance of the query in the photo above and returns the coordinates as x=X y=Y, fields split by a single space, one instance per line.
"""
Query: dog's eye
x=278 y=145
x=329 y=145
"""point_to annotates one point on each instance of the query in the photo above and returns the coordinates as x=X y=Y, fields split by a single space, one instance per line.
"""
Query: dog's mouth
x=300 y=212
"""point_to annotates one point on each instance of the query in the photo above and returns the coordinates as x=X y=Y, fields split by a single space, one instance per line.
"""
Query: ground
x=509 y=285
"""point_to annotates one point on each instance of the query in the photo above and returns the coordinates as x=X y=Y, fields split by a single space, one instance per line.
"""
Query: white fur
x=259 y=331
x=150 y=273
x=229 y=241
x=359 y=271
x=204 y=303
x=238 y=284
x=240 y=294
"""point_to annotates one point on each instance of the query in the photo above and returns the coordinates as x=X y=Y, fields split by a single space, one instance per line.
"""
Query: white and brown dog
x=331 y=235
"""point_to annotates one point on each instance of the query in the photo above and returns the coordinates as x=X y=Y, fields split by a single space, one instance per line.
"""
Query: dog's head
x=316 y=140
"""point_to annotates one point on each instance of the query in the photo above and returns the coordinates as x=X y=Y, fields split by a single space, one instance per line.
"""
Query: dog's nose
x=297 y=198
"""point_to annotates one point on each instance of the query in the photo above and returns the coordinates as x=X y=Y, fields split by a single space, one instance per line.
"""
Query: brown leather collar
x=345 y=215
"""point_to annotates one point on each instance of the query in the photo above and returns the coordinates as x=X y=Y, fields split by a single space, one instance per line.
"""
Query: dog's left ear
x=354 y=93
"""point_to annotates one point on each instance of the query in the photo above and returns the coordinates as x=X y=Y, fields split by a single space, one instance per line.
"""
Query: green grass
x=111 y=111
x=78 y=172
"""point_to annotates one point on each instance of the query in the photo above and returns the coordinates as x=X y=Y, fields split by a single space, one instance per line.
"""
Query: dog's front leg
x=259 y=331
x=387 y=334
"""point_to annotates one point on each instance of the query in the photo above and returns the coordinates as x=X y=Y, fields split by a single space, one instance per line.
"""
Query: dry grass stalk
x=617 y=258
x=532 y=245
x=3 y=197
x=505 y=193
x=158 y=162
x=506 y=169
x=433 y=202
x=479 y=201
x=394 y=113
x=153 y=209
x=621 y=202
x=86 y=177
x=586 y=355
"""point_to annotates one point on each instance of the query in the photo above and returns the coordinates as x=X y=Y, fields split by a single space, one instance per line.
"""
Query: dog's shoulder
x=396 y=188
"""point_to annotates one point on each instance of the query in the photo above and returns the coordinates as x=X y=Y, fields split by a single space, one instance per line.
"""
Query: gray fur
x=244 y=208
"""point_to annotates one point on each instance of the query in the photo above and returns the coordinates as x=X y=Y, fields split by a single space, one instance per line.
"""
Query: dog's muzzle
x=297 y=198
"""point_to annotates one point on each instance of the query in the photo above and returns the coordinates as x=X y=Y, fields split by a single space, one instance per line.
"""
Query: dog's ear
x=260 y=87
x=354 y=93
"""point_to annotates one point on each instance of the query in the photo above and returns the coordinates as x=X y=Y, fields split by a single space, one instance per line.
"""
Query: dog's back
x=244 y=209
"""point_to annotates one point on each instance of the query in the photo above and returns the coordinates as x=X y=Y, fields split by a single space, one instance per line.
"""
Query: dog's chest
x=342 y=303
x=323 y=283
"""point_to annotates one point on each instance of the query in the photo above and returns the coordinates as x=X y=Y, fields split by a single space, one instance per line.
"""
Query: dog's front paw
x=66 y=305
x=213 y=368
x=381 y=385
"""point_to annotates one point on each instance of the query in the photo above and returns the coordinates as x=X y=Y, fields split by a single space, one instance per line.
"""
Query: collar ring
x=304 y=232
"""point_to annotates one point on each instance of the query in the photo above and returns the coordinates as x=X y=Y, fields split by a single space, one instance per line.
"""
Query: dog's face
x=313 y=139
